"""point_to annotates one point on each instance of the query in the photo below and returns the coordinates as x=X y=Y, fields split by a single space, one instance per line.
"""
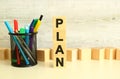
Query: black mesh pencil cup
x=23 y=49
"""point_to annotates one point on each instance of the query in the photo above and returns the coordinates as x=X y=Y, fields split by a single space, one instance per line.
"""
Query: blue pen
x=15 y=40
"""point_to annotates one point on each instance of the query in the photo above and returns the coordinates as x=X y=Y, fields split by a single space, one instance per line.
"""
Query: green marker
x=35 y=22
x=22 y=31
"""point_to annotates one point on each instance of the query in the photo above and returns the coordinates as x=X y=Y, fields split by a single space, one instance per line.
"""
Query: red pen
x=16 y=48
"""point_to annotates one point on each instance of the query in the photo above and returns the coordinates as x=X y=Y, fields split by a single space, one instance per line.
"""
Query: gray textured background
x=90 y=23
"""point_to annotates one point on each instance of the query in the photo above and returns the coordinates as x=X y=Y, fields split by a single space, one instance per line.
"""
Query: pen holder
x=24 y=53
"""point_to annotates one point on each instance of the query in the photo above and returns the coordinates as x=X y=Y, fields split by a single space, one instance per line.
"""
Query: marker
x=27 y=36
x=31 y=38
x=16 y=48
x=22 y=31
x=38 y=24
x=26 y=49
x=31 y=30
x=15 y=40
x=33 y=23
x=15 y=26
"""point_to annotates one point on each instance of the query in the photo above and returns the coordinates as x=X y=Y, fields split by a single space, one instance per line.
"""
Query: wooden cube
x=43 y=55
x=2 y=55
x=110 y=53
x=62 y=61
x=84 y=54
x=118 y=54
x=61 y=36
x=61 y=26
x=97 y=53
x=57 y=53
x=7 y=53
x=71 y=54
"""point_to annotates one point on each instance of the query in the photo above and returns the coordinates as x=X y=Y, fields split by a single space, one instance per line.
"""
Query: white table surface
x=74 y=70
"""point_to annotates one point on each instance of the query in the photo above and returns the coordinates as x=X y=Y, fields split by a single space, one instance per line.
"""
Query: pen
x=15 y=26
x=27 y=36
x=16 y=48
x=31 y=30
x=22 y=31
x=26 y=49
x=33 y=23
x=31 y=38
x=15 y=40
x=38 y=24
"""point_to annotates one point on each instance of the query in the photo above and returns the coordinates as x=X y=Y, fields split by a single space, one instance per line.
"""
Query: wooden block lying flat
x=7 y=54
x=2 y=55
x=110 y=53
x=71 y=54
x=84 y=54
x=97 y=53
x=43 y=54
x=118 y=54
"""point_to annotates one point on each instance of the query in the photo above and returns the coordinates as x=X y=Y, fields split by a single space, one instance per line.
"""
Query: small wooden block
x=61 y=35
x=118 y=54
x=97 y=53
x=58 y=45
x=7 y=53
x=110 y=53
x=2 y=55
x=43 y=54
x=61 y=26
x=62 y=61
x=71 y=54
x=84 y=54
x=59 y=54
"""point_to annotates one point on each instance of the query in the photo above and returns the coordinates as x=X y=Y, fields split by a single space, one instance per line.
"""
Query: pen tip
x=41 y=17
